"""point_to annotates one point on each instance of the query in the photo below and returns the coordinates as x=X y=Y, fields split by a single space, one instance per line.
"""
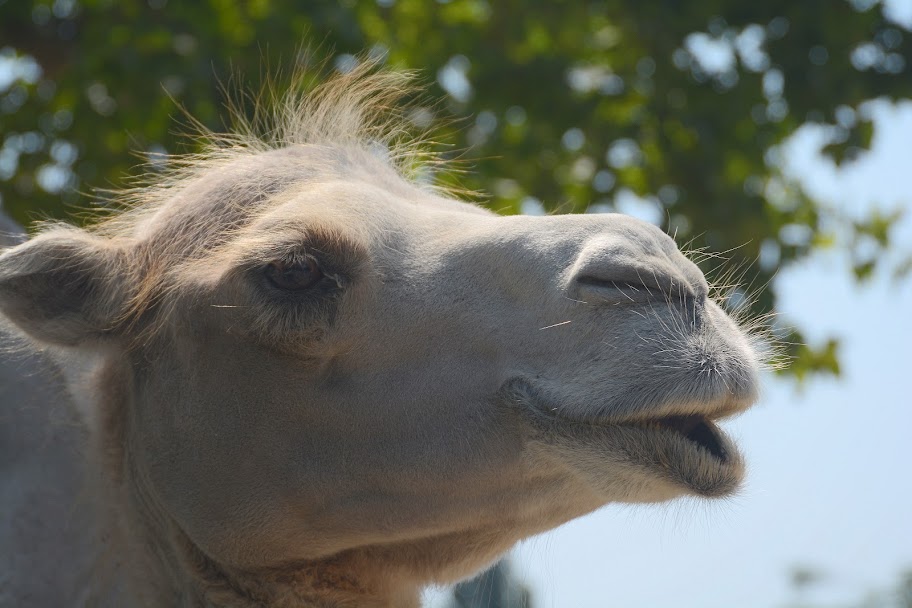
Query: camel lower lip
x=696 y=429
x=690 y=451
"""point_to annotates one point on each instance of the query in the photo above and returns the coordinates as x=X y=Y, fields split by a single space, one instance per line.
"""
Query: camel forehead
x=353 y=186
x=363 y=207
x=239 y=187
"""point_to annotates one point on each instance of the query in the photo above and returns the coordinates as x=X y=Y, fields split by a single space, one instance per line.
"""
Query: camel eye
x=294 y=275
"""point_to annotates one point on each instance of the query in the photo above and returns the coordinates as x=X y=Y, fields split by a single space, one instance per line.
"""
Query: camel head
x=319 y=379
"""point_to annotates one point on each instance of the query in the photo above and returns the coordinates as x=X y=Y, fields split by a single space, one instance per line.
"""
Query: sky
x=828 y=484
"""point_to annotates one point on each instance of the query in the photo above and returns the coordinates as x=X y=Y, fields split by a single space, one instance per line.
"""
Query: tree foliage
x=674 y=108
x=806 y=580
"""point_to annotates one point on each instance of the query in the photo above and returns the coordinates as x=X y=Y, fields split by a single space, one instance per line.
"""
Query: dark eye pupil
x=293 y=276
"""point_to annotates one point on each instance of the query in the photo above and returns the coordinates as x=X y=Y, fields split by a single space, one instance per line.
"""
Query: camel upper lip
x=712 y=410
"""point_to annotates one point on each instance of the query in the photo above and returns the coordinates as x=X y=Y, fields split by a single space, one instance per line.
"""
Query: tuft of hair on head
x=366 y=108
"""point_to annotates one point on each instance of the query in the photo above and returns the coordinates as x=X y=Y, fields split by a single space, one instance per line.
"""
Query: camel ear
x=64 y=287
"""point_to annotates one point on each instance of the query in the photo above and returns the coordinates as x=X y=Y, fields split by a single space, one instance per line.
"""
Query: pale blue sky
x=829 y=482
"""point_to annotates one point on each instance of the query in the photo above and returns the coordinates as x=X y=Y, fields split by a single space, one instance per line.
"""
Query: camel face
x=311 y=358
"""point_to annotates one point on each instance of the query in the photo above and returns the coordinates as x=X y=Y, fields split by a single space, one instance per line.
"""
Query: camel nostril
x=633 y=286
x=621 y=290
x=636 y=286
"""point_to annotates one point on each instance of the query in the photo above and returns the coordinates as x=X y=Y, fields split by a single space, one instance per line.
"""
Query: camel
x=291 y=373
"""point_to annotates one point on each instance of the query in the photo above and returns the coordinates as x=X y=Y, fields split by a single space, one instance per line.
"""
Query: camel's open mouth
x=680 y=442
x=698 y=430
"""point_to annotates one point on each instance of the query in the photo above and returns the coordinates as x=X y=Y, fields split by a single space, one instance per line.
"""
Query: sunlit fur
x=456 y=382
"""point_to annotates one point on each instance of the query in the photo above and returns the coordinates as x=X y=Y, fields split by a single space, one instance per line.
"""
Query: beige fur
x=455 y=382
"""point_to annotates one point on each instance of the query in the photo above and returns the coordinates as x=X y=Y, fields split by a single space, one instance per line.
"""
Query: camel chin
x=294 y=375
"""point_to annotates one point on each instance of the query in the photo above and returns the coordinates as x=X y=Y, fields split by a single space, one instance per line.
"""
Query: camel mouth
x=681 y=446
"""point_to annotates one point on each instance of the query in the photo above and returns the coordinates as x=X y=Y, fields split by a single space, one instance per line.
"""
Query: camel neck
x=173 y=571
